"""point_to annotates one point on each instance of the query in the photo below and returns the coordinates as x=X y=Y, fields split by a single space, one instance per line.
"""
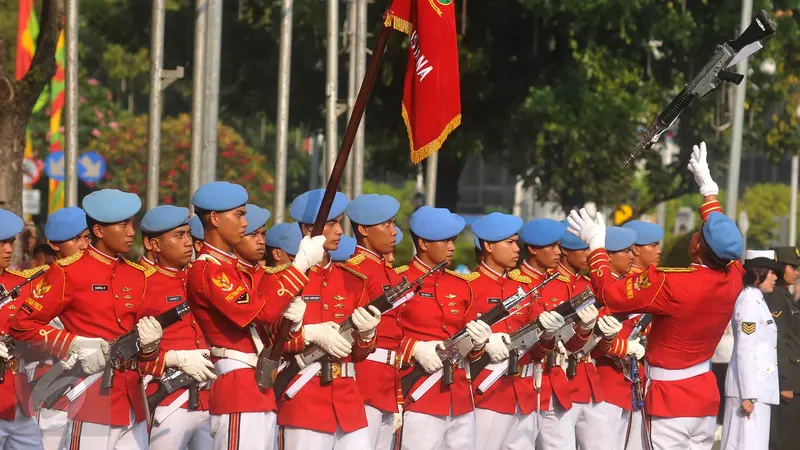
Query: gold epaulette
x=563 y=278
x=586 y=277
x=468 y=277
x=353 y=271
x=27 y=272
x=676 y=269
x=147 y=272
x=474 y=276
x=63 y=262
x=356 y=260
x=517 y=276
x=273 y=270
x=400 y=270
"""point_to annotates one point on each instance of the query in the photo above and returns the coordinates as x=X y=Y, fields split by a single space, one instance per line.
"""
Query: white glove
x=150 y=333
x=90 y=352
x=294 y=313
x=478 y=332
x=591 y=231
x=636 y=348
x=311 y=252
x=4 y=352
x=426 y=356
x=588 y=317
x=609 y=326
x=366 y=321
x=698 y=165
x=551 y=321
x=194 y=363
x=327 y=336
x=497 y=347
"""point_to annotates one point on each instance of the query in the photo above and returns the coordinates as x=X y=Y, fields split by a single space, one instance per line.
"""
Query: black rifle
x=528 y=335
x=172 y=381
x=712 y=76
x=9 y=343
x=121 y=350
x=385 y=303
x=458 y=346
x=5 y=298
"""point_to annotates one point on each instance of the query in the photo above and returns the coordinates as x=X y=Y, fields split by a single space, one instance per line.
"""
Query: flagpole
x=71 y=106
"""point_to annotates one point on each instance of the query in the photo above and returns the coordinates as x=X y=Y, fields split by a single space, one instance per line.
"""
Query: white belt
x=662 y=374
x=348 y=370
x=30 y=370
x=232 y=360
x=381 y=355
x=163 y=412
x=81 y=387
x=431 y=380
x=499 y=369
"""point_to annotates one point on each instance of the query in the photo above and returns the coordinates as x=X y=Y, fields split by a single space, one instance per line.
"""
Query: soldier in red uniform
x=438 y=416
x=18 y=430
x=183 y=347
x=233 y=316
x=197 y=233
x=647 y=248
x=97 y=295
x=505 y=405
x=682 y=397
x=312 y=414
x=372 y=217
x=390 y=257
x=277 y=251
x=250 y=250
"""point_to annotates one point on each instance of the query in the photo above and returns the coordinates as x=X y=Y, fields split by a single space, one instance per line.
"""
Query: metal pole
x=198 y=92
x=211 y=100
x=71 y=122
x=738 y=123
x=352 y=86
x=154 y=114
x=331 y=78
x=420 y=179
x=361 y=66
x=284 y=76
x=430 y=191
x=793 y=204
x=519 y=192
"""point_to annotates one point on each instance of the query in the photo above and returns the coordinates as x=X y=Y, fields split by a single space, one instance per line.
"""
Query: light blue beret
x=571 y=242
x=111 y=205
x=372 y=209
x=435 y=224
x=10 y=225
x=723 y=237
x=399 y=237
x=646 y=233
x=542 y=232
x=164 y=218
x=496 y=227
x=274 y=234
x=347 y=246
x=305 y=207
x=477 y=243
x=618 y=238
x=64 y=224
x=196 y=228
x=256 y=217
x=289 y=239
x=219 y=196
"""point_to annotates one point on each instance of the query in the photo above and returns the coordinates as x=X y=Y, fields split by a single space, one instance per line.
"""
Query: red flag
x=432 y=94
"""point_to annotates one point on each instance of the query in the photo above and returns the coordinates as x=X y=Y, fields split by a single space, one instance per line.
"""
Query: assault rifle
x=5 y=298
x=172 y=381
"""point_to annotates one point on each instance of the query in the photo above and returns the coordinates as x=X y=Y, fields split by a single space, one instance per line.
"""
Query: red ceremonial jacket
x=332 y=294
x=378 y=382
x=490 y=288
x=98 y=296
x=691 y=308
x=224 y=305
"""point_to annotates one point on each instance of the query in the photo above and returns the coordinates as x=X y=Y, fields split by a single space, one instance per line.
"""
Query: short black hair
x=90 y=223
x=268 y=258
x=44 y=249
x=202 y=214
x=754 y=276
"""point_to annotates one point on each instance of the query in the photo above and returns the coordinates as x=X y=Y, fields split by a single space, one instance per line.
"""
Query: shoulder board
x=400 y=270
x=147 y=271
x=676 y=269
x=209 y=258
x=517 y=276
x=468 y=277
x=63 y=262
x=353 y=271
x=586 y=277
x=356 y=260
x=273 y=270
x=563 y=278
x=28 y=272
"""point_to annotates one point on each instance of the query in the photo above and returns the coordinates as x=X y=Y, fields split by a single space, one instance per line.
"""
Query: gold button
x=444 y=328
x=325 y=307
x=116 y=296
x=120 y=321
x=193 y=322
x=197 y=343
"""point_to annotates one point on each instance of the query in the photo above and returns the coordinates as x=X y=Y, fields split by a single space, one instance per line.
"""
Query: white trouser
x=53 y=424
x=635 y=441
x=745 y=432
x=22 y=433
x=683 y=433
x=183 y=429
x=427 y=432
x=380 y=426
x=245 y=431
x=497 y=431
x=617 y=423
x=302 y=439
x=95 y=436
x=583 y=425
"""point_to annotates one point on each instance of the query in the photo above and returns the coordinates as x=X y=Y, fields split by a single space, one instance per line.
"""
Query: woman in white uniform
x=751 y=384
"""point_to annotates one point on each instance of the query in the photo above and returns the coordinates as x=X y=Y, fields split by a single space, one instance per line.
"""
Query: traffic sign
x=31 y=171
x=54 y=166
x=91 y=167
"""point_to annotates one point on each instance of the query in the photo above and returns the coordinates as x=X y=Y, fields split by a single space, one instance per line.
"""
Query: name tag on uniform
x=493 y=300
x=770 y=321
x=311 y=298
x=99 y=287
x=426 y=294
x=174 y=298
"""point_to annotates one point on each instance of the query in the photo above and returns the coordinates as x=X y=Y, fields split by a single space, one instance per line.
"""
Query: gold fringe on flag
x=433 y=146
x=397 y=23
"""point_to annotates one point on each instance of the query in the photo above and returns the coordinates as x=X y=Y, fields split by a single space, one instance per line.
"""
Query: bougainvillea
x=125 y=150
